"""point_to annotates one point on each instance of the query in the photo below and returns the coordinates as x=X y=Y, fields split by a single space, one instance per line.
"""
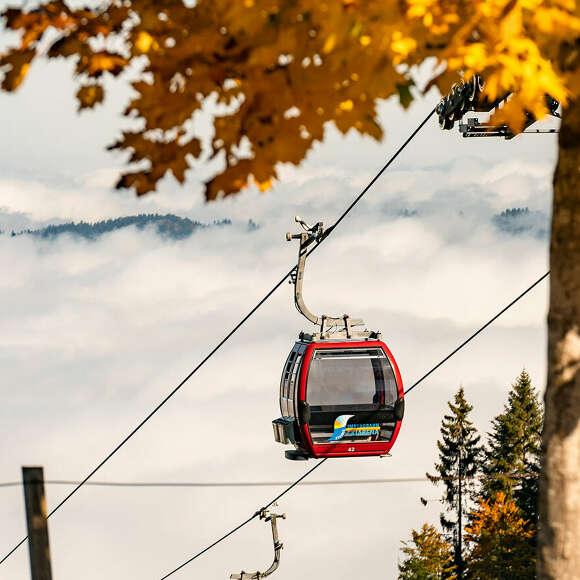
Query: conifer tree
x=429 y=556
x=513 y=446
x=502 y=542
x=459 y=461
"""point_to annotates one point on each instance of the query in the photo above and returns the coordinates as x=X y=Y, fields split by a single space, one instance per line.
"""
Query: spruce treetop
x=459 y=461
x=513 y=446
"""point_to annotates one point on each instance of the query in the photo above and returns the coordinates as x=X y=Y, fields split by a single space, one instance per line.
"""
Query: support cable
x=320 y=482
x=227 y=337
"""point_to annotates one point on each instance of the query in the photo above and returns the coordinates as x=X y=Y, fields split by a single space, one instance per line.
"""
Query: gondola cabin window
x=351 y=394
x=351 y=377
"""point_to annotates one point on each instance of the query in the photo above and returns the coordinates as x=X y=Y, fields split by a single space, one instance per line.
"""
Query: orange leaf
x=95 y=64
x=18 y=63
x=89 y=95
x=142 y=181
x=230 y=181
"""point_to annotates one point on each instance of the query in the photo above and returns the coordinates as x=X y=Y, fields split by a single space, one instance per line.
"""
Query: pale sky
x=94 y=334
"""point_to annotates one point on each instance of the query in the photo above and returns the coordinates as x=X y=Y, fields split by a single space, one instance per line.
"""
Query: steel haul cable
x=468 y=340
x=229 y=335
x=240 y=526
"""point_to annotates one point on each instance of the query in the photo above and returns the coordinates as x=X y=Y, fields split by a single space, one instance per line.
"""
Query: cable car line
x=463 y=94
x=468 y=340
x=270 y=517
x=227 y=337
x=376 y=177
x=255 y=515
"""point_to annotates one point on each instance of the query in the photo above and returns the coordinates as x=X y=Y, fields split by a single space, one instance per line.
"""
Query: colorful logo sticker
x=364 y=430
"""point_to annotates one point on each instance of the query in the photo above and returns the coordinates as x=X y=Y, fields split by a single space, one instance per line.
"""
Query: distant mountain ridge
x=169 y=226
x=513 y=221
x=521 y=220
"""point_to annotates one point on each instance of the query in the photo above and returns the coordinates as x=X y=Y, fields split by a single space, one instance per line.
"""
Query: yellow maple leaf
x=144 y=42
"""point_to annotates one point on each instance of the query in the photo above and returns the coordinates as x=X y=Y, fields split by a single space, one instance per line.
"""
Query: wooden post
x=35 y=500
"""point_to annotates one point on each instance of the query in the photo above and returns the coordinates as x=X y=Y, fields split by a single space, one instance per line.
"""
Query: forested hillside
x=514 y=221
x=521 y=220
x=170 y=226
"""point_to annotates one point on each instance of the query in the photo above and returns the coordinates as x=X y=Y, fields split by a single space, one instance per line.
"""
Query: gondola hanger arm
x=310 y=235
x=268 y=517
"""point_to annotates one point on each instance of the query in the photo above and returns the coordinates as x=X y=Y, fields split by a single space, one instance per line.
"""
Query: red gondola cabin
x=340 y=398
x=341 y=393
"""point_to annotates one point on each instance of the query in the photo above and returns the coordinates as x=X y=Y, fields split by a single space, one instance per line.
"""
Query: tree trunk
x=559 y=526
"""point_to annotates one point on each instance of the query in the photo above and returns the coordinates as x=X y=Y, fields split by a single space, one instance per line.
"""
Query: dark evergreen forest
x=169 y=226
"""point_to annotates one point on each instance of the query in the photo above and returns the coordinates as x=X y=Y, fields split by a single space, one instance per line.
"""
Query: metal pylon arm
x=467 y=96
x=268 y=517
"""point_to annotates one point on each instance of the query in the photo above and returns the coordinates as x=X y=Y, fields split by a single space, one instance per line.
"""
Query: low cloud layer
x=95 y=333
